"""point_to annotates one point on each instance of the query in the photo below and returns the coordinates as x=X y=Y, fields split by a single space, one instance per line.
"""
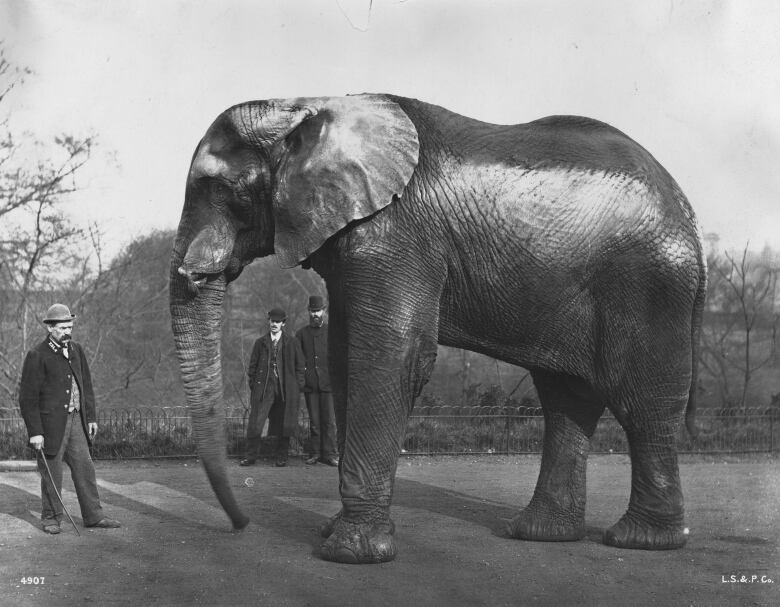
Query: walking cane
x=51 y=479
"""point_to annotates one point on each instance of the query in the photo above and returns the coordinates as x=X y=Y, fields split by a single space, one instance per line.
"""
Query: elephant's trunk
x=197 y=328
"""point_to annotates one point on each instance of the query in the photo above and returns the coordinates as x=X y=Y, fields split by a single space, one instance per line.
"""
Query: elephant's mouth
x=198 y=280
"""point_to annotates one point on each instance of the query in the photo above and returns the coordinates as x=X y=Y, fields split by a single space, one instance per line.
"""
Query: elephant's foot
x=358 y=543
x=629 y=532
x=541 y=523
x=327 y=528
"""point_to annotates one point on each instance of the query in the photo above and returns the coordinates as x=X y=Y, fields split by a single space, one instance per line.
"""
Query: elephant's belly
x=555 y=336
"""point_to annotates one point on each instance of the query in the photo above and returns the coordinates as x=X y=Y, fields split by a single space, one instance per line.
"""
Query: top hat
x=316 y=303
x=277 y=314
x=58 y=313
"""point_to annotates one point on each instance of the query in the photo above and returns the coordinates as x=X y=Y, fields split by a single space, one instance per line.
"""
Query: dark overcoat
x=44 y=392
x=314 y=344
x=290 y=367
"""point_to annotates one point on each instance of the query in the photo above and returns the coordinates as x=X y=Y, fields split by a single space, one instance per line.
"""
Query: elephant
x=558 y=245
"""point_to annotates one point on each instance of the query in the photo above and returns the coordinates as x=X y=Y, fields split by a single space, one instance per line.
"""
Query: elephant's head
x=278 y=176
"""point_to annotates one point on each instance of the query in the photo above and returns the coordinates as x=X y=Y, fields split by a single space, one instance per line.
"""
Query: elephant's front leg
x=390 y=354
x=362 y=531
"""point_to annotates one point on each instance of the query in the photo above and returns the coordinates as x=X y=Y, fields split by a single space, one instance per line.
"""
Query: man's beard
x=316 y=321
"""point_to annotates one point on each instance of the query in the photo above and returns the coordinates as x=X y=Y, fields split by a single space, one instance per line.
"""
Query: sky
x=696 y=82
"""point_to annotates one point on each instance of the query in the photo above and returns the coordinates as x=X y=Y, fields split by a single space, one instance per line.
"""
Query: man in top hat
x=58 y=407
x=322 y=421
x=275 y=380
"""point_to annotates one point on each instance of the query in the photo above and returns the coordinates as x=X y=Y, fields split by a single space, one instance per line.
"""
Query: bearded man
x=313 y=339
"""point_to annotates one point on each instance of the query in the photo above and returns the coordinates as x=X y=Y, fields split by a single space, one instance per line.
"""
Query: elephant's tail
x=698 y=311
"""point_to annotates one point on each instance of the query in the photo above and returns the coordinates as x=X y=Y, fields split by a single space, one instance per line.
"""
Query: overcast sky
x=696 y=82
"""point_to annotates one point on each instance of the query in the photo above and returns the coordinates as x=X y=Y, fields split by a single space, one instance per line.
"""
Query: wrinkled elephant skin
x=559 y=245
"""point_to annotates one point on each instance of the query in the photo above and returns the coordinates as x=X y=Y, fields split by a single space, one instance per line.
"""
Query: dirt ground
x=175 y=547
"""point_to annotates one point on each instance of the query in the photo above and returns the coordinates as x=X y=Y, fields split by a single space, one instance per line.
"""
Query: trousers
x=271 y=407
x=74 y=451
x=322 y=424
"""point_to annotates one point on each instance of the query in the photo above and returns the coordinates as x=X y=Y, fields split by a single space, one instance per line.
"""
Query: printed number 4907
x=33 y=580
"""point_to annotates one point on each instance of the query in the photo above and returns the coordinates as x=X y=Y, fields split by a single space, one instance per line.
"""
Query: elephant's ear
x=343 y=162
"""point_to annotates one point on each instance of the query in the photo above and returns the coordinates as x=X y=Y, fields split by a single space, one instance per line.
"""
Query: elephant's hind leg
x=556 y=512
x=654 y=519
x=646 y=381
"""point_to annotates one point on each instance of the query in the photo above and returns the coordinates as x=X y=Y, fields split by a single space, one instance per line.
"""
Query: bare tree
x=127 y=327
x=739 y=335
x=39 y=245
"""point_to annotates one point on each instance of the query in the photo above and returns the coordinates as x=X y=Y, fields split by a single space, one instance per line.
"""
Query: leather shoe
x=106 y=523
x=53 y=529
x=311 y=461
x=330 y=461
x=247 y=462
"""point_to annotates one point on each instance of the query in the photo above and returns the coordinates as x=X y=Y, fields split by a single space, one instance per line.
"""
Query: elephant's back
x=572 y=145
x=554 y=193
x=565 y=141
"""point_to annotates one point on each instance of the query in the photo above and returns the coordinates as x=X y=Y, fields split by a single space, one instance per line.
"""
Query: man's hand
x=92 y=429
x=37 y=442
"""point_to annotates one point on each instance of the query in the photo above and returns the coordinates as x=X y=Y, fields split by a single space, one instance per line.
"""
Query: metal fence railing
x=467 y=430
x=441 y=430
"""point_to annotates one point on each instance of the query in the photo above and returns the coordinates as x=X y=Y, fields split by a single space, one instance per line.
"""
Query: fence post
x=506 y=431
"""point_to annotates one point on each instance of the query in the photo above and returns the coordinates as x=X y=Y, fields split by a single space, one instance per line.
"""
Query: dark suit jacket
x=314 y=344
x=44 y=392
x=290 y=366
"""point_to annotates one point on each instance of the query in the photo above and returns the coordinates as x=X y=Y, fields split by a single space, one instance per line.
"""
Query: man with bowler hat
x=58 y=407
x=322 y=421
x=275 y=379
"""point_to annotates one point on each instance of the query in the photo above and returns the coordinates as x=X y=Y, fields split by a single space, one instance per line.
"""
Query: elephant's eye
x=217 y=189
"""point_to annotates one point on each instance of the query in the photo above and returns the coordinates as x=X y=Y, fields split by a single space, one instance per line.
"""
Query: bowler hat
x=58 y=313
x=316 y=303
x=277 y=314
